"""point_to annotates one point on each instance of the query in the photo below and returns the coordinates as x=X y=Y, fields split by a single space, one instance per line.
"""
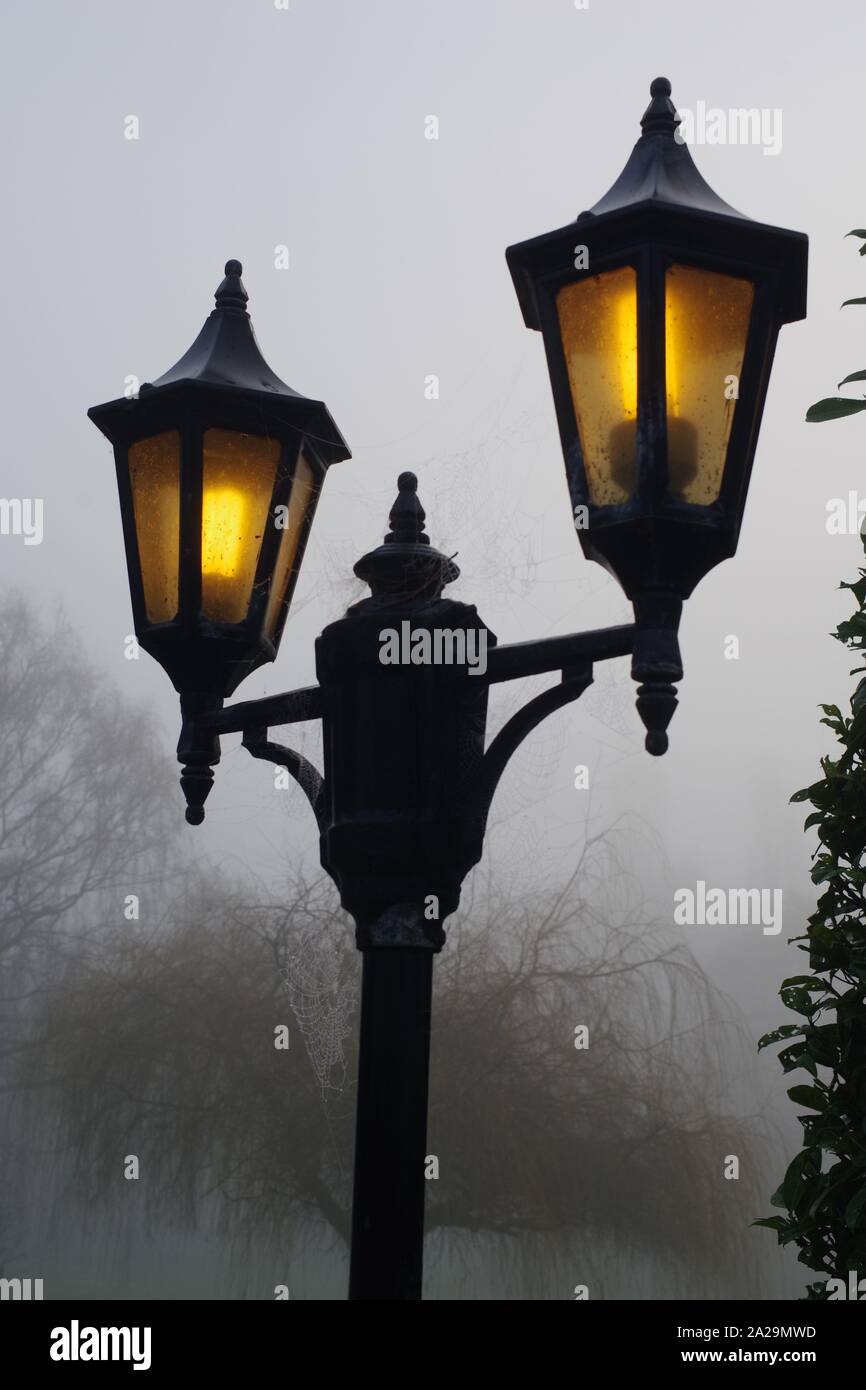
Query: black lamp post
x=659 y=310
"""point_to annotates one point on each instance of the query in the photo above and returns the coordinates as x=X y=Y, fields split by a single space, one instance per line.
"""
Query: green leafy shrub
x=823 y=1192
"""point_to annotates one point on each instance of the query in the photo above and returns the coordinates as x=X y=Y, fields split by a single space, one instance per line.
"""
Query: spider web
x=610 y=700
x=323 y=1002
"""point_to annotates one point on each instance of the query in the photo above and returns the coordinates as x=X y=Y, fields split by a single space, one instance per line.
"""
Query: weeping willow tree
x=580 y=1115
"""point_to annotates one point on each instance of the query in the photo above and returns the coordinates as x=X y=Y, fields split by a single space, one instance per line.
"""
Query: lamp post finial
x=231 y=293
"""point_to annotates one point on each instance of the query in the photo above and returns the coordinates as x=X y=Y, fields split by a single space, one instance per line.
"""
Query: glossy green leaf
x=833 y=408
x=809 y=1096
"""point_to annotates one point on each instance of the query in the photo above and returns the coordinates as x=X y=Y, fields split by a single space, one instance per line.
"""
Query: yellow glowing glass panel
x=706 y=325
x=301 y=501
x=154 y=476
x=598 y=325
x=238 y=475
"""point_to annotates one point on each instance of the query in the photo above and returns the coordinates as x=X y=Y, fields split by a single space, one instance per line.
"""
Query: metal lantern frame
x=661 y=213
x=221 y=383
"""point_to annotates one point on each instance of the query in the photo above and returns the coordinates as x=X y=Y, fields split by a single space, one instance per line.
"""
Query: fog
x=261 y=128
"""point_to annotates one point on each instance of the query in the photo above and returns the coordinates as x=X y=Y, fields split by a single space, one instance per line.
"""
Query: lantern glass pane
x=598 y=326
x=154 y=476
x=302 y=501
x=706 y=325
x=238 y=476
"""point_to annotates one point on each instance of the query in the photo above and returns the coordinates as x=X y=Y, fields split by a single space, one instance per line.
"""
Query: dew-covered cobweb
x=323 y=996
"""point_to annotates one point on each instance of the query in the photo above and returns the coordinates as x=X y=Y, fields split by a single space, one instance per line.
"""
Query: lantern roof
x=226 y=358
x=226 y=352
x=661 y=197
x=660 y=168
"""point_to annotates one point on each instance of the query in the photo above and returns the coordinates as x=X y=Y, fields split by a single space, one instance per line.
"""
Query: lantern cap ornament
x=661 y=114
x=231 y=293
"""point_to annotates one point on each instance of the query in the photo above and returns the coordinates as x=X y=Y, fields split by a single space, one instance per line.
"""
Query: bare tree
x=81 y=789
x=79 y=828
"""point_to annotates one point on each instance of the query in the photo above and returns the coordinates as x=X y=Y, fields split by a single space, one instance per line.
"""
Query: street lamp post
x=659 y=310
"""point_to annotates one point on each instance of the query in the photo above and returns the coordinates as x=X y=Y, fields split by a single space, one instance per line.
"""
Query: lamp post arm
x=291 y=707
x=205 y=721
x=509 y=738
x=506 y=663
x=307 y=776
x=574 y=655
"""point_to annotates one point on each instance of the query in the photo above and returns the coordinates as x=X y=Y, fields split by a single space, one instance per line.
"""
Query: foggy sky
x=260 y=127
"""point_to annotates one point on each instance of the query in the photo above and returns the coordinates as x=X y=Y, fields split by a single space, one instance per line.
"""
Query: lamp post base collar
x=401 y=925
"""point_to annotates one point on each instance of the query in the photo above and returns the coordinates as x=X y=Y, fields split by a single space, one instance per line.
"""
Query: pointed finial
x=196 y=783
x=198 y=751
x=660 y=116
x=406 y=566
x=407 y=515
x=231 y=293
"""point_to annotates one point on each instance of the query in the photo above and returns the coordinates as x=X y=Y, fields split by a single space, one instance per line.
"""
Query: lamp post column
x=403 y=736
x=391 y=1123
